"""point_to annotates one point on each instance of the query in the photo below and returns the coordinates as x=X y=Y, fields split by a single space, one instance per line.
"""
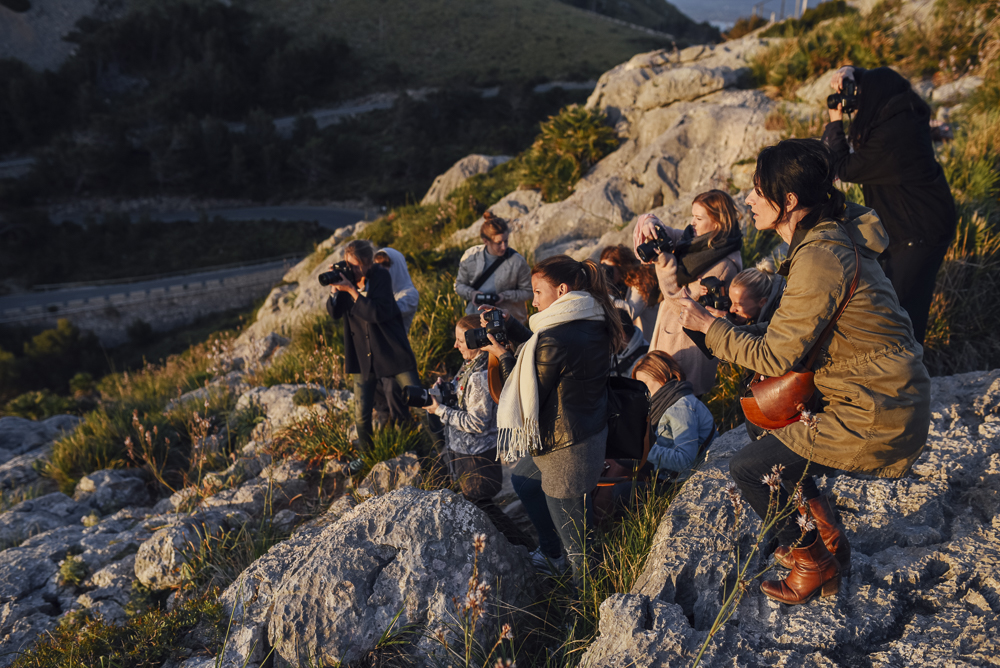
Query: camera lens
x=476 y=338
x=416 y=396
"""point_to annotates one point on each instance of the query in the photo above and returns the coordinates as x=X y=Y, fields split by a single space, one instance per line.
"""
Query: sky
x=723 y=13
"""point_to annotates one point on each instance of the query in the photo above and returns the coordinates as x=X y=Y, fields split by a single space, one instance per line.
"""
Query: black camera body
x=476 y=338
x=486 y=298
x=341 y=270
x=647 y=252
x=717 y=296
x=848 y=97
x=419 y=397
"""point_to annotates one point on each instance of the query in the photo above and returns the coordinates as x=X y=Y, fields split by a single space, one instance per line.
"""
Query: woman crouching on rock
x=553 y=410
x=872 y=390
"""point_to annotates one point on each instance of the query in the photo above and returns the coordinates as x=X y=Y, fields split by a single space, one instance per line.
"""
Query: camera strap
x=478 y=283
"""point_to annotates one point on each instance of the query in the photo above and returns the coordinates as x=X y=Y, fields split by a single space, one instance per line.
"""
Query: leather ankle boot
x=826 y=523
x=814 y=571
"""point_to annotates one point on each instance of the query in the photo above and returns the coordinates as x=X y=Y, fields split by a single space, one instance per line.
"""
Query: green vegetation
x=145 y=640
x=947 y=47
x=484 y=43
x=73 y=570
x=314 y=356
x=40 y=252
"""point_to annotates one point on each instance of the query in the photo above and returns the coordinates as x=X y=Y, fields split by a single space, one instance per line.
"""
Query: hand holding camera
x=716 y=295
x=845 y=100
x=340 y=278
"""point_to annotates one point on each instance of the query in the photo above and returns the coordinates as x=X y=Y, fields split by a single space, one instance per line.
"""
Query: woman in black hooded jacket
x=889 y=152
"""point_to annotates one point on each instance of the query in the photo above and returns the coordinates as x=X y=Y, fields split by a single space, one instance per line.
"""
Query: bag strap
x=814 y=353
x=478 y=283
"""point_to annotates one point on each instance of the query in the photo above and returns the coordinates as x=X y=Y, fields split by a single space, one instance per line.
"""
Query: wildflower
x=778 y=468
x=772 y=480
x=797 y=496
x=504 y=663
x=506 y=633
x=806 y=523
x=811 y=420
x=479 y=542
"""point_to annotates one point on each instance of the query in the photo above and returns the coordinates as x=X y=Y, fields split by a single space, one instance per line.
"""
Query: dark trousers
x=389 y=405
x=364 y=401
x=563 y=525
x=913 y=268
x=753 y=462
x=480 y=478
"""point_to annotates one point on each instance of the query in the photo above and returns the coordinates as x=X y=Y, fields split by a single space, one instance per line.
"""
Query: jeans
x=750 y=464
x=364 y=401
x=562 y=524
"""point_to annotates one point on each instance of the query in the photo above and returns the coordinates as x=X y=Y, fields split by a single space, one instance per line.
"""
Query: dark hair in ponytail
x=803 y=167
x=586 y=276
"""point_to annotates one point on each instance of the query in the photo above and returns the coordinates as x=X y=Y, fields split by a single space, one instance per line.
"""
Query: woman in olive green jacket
x=873 y=389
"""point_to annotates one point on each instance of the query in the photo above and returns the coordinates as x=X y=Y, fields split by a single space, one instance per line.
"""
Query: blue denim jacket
x=681 y=431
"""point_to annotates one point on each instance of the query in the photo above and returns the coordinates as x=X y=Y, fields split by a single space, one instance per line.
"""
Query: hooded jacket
x=873 y=387
x=898 y=172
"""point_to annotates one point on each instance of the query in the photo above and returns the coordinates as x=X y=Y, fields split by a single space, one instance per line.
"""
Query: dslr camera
x=486 y=298
x=419 y=397
x=340 y=270
x=848 y=97
x=717 y=296
x=647 y=252
x=476 y=338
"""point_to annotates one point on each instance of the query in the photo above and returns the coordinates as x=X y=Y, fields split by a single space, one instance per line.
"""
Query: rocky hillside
x=307 y=574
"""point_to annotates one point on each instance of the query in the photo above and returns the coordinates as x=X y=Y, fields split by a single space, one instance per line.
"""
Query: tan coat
x=875 y=391
x=668 y=335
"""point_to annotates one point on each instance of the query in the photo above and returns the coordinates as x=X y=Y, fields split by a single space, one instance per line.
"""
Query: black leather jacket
x=572 y=362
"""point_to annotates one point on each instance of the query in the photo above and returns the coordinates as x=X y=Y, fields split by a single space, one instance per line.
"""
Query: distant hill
x=656 y=14
x=435 y=42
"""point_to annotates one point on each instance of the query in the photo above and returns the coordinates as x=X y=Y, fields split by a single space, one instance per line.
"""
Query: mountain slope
x=435 y=42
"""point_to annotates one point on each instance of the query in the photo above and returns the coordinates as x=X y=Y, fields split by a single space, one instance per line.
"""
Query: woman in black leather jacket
x=553 y=410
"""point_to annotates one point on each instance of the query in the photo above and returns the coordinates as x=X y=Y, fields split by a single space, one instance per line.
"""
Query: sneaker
x=547 y=565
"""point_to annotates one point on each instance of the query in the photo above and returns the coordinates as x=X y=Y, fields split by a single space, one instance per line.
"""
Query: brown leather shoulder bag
x=778 y=401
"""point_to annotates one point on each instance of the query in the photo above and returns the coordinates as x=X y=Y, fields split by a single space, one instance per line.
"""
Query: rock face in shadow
x=923 y=587
x=328 y=593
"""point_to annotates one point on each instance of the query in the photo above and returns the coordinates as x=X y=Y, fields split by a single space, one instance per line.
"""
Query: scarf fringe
x=514 y=443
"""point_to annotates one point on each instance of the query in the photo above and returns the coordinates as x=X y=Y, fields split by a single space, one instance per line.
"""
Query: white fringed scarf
x=517 y=413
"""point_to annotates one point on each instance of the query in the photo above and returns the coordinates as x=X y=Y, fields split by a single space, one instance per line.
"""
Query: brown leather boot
x=826 y=523
x=814 y=571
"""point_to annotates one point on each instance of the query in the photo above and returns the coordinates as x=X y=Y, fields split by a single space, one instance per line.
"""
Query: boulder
x=109 y=590
x=110 y=490
x=391 y=474
x=160 y=560
x=957 y=91
x=36 y=516
x=815 y=91
x=457 y=174
x=328 y=593
x=277 y=487
x=18 y=435
x=659 y=78
x=922 y=587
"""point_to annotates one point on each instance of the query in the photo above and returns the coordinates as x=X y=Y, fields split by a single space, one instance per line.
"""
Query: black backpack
x=628 y=419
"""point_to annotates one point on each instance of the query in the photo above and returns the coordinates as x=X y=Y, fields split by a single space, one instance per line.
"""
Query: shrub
x=744 y=26
x=73 y=570
x=570 y=143
x=316 y=438
x=39 y=405
x=315 y=355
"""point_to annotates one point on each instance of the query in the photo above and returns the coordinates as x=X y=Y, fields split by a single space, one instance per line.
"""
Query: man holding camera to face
x=375 y=341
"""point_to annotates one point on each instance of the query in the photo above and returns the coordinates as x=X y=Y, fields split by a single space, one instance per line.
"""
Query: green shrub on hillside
x=39 y=405
x=570 y=143
x=744 y=26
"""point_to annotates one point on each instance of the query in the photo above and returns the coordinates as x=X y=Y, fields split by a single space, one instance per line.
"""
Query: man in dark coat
x=375 y=341
x=889 y=152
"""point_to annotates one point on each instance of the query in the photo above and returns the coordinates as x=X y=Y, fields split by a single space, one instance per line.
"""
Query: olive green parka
x=873 y=386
